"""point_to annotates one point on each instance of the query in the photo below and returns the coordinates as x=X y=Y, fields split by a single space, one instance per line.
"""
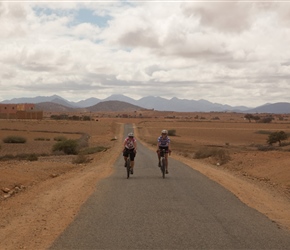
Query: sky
x=227 y=52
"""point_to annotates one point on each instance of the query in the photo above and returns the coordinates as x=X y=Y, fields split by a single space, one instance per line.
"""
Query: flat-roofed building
x=20 y=111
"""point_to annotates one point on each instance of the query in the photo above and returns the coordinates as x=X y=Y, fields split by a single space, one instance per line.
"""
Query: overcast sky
x=235 y=53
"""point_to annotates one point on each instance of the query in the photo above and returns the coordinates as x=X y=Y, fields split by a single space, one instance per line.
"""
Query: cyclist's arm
x=158 y=144
x=124 y=144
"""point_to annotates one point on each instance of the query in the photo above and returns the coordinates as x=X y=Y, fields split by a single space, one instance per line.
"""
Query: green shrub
x=14 y=139
x=69 y=147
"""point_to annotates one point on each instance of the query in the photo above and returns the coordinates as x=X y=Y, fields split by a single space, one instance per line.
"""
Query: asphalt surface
x=186 y=210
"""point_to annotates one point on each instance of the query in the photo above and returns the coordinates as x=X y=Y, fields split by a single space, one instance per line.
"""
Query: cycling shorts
x=130 y=152
x=166 y=149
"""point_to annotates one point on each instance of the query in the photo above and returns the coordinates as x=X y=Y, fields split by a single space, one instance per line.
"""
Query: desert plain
x=39 y=198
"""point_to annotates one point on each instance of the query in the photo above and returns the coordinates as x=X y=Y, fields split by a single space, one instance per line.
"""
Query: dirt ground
x=38 y=199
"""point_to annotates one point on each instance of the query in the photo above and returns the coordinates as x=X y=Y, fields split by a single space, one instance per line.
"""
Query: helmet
x=131 y=134
x=164 y=132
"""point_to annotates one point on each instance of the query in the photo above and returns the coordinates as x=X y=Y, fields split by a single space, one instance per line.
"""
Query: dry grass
x=92 y=134
x=231 y=143
x=190 y=135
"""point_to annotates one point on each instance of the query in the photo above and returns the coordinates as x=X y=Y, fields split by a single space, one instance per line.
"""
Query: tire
x=163 y=167
x=128 y=167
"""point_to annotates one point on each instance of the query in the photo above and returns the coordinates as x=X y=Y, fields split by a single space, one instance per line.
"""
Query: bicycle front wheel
x=163 y=167
x=128 y=167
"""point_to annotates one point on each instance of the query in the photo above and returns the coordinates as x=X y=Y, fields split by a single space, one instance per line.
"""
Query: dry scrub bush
x=41 y=139
x=220 y=155
x=92 y=150
x=83 y=141
x=266 y=147
x=26 y=157
x=14 y=139
x=69 y=147
x=172 y=132
x=81 y=159
x=60 y=138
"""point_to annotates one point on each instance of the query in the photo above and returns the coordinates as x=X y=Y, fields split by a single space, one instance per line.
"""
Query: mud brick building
x=20 y=111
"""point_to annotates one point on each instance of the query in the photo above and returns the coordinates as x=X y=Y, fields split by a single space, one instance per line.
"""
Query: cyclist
x=130 y=148
x=163 y=143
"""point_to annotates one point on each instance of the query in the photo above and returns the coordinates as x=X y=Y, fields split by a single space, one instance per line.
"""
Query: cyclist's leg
x=166 y=160
x=132 y=164
x=125 y=154
x=158 y=155
x=132 y=158
x=125 y=161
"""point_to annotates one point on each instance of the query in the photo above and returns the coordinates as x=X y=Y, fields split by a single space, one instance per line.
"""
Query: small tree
x=249 y=117
x=277 y=137
x=256 y=118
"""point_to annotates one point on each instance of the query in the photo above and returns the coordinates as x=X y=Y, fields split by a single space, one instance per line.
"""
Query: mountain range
x=149 y=102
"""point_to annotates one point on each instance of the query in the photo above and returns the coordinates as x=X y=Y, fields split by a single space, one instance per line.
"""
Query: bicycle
x=162 y=162
x=128 y=166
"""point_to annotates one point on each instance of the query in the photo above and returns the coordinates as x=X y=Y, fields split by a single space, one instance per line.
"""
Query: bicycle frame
x=128 y=166
x=163 y=162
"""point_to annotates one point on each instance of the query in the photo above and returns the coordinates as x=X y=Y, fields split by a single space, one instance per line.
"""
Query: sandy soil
x=50 y=191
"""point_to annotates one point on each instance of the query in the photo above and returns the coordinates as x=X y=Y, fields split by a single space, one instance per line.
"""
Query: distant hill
x=275 y=108
x=87 y=103
x=52 y=107
x=113 y=106
x=157 y=103
x=64 y=102
x=36 y=99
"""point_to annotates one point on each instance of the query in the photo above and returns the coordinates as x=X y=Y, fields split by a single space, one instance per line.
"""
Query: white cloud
x=234 y=53
x=232 y=17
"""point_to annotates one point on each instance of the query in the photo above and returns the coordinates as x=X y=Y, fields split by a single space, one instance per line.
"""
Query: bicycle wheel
x=163 y=167
x=128 y=167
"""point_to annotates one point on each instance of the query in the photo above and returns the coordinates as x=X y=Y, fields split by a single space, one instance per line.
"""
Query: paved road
x=185 y=210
